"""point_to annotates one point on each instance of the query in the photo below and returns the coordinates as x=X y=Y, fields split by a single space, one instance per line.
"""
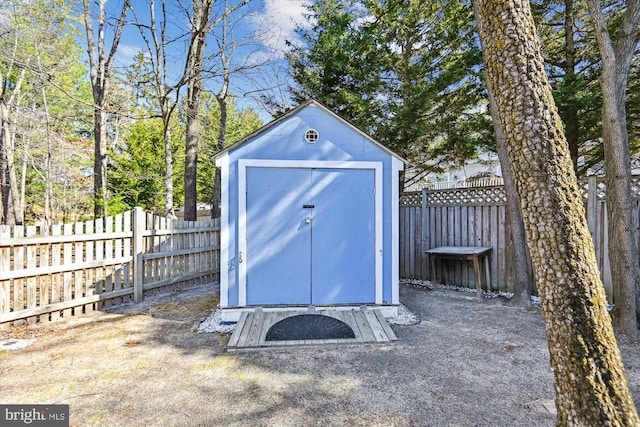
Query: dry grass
x=467 y=363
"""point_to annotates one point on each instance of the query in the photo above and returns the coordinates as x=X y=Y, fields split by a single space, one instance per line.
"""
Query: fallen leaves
x=131 y=343
x=511 y=347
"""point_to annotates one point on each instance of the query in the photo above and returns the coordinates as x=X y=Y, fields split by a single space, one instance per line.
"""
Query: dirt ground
x=468 y=362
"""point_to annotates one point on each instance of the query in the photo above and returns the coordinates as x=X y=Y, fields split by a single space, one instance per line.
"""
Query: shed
x=309 y=217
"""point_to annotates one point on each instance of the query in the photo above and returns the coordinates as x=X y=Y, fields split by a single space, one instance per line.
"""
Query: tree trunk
x=48 y=191
x=23 y=175
x=191 y=153
x=156 y=48
x=4 y=169
x=100 y=67
x=216 y=200
x=168 y=162
x=15 y=213
x=217 y=182
x=623 y=248
x=100 y=162
x=201 y=17
x=590 y=381
x=521 y=266
x=570 y=109
x=221 y=97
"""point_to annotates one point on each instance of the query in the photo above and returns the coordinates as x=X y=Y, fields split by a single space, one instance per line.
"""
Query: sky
x=281 y=16
x=264 y=28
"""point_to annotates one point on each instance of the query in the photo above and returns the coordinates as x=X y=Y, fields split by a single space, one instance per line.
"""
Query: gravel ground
x=467 y=362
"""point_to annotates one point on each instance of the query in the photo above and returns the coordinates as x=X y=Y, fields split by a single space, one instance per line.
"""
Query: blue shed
x=309 y=217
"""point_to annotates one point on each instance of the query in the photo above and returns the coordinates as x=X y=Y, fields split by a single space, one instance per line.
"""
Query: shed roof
x=294 y=111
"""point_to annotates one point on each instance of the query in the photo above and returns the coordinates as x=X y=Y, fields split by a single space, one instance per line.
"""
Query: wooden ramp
x=369 y=326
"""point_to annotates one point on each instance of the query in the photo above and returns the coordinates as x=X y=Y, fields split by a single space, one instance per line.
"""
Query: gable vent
x=311 y=136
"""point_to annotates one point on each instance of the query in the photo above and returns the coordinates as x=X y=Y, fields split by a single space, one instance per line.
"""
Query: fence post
x=139 y=226
x=425 y=268
x=5 y=285
x=592 y=204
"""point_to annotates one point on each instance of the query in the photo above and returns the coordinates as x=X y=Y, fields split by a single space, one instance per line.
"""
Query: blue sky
x=264 y=27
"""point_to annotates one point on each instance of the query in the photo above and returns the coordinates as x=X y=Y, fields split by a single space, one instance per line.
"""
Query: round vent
x=311 y=136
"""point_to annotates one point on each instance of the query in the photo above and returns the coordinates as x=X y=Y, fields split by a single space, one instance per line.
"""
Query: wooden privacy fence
x=66 y=270
x=475 y=216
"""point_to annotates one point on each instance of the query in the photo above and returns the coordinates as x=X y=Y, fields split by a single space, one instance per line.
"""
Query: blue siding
x=337 y=141
x=285 y=141
x=343 y=250
x=278 y=237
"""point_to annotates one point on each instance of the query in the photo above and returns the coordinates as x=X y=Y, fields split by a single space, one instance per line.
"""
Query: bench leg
x=476 y=269
x=487 y=272
x=433 y=269
x=445 y=271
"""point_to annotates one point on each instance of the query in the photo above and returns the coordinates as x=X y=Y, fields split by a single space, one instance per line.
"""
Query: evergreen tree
x=407 y=72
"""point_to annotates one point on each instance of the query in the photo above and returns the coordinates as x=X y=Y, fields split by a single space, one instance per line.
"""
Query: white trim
x=307 y=164
x=232 y=314
x=396 y=167
x=242 y=233
x=379 y=213
x=223 y=164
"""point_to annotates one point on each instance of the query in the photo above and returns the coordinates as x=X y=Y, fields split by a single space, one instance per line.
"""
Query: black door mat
x=309 y=327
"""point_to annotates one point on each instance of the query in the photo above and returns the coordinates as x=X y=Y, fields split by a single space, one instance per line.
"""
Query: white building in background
x=486 y=165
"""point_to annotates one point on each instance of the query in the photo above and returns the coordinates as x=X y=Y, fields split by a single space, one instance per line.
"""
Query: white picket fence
x=66 y=270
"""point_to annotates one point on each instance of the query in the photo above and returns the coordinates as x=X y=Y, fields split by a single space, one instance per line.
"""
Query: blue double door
x=310 y=236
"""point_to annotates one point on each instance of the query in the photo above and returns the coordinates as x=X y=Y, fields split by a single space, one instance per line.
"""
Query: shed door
x=310 y=236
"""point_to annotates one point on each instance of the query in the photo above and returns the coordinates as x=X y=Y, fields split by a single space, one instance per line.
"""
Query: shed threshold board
x=369 y=326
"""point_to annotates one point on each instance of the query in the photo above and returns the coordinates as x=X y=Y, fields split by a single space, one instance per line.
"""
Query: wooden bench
x=469 y=253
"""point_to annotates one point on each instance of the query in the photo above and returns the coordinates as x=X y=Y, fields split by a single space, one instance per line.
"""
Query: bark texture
x=217 y=183
x=590 y=382
x=623 y=252
x=201 y=20
x=12 y=211
x=521 y=267
x=571 y=127
x=4 y=187
x=168 y=162
x=6 y=216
